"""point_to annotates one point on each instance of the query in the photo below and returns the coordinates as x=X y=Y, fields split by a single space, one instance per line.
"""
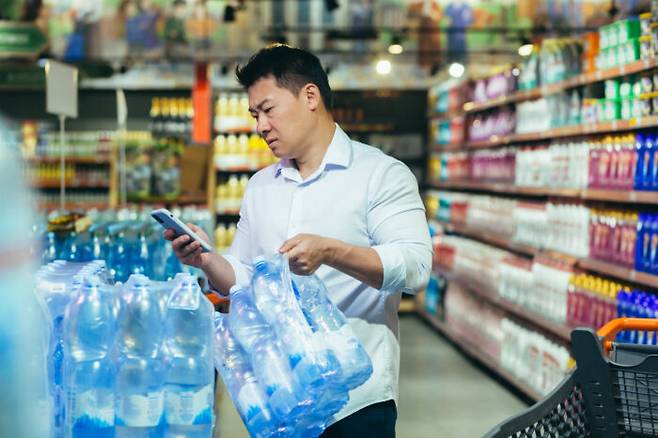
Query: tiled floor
x=442 y=394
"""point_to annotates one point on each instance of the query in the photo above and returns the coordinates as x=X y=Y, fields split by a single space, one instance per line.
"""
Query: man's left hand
x=306 y=252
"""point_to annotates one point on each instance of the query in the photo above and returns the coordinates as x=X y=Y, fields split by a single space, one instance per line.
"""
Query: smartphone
x=169 y=221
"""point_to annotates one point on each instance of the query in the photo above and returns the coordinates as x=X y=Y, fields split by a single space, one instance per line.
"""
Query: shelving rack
x=626 y=198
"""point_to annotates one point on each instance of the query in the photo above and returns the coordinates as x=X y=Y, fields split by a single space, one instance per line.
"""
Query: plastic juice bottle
x=653 y=245
x=614 y=165
x=642 y=253
x=647 y=163
x=570 y=300
x=639 y=162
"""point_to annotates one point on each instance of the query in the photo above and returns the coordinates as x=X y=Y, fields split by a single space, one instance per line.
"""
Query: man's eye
x=267 y=110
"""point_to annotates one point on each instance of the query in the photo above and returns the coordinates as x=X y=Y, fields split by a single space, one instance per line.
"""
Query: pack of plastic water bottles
x=131 y=359
x=286 y=354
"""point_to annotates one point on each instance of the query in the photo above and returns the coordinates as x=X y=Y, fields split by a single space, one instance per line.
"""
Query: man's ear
x=312 y=97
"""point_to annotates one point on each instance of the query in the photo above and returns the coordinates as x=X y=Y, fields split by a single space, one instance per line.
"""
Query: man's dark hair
x=292 y=68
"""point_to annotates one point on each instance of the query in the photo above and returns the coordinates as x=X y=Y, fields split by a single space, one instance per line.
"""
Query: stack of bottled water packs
x=130 y=241
x=286 y=354
x=127 y=360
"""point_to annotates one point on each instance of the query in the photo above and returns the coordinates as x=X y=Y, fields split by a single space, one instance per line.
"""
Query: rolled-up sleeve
x=398 y=228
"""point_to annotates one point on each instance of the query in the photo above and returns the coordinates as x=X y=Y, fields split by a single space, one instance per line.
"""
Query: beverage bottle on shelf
x=189 y=365
x=286 y=396
x=638 y=183
x=648 y=163
x=89 y=335
x=155 y=124
x=165 y=117
x=189 y=113
x=232 y=363
x=174 y=117
x=623 y=297
x=642 y=242
x=275 y=299
x=140 y=373
x=653 y=246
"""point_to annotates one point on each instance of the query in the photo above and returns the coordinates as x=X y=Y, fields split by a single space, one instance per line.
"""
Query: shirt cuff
x=395 y=271
x=239 y=269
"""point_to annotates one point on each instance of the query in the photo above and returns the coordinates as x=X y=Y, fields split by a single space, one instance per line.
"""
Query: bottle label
x=140 y=410
x=250 y=401
x=93 y=408
x=186 y=408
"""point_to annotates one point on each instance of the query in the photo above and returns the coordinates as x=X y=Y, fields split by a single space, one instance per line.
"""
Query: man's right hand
x=188 y=251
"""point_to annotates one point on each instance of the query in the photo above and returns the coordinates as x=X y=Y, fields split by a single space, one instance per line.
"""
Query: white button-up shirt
x=365 y=198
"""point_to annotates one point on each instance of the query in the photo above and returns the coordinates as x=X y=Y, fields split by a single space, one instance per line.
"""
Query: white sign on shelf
x=61 y=89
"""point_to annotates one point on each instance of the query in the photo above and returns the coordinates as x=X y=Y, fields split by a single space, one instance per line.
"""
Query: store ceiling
x=430 y=32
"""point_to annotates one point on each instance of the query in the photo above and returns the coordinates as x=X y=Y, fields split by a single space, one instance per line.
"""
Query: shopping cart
x=612 y=392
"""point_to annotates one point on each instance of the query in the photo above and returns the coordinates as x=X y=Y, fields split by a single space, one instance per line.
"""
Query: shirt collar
x=339 y=154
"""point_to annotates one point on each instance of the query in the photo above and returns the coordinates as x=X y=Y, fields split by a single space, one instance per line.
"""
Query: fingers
x=190 y=249
x=288 y=245
x=199 y=232
x=192 y=257
x=169 y=234
x=179 y=242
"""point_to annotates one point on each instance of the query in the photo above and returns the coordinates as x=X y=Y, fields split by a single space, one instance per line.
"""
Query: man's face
x=282 y=118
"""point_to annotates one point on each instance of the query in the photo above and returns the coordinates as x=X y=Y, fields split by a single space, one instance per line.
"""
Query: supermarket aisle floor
x=442 y=394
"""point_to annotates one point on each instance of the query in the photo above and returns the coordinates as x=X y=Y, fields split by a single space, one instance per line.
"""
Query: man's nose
x=263 y=126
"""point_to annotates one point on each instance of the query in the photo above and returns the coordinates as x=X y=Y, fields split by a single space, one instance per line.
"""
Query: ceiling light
x=395 y=49
x=526 y=50
x=456 y=70
x=383 y=66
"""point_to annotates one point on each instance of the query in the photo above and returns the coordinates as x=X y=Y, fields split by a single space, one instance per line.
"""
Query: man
x=337 y=208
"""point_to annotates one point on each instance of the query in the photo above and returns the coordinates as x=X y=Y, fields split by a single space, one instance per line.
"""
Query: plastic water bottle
x=249 y=399
x=57 y=296
x=140 y=372
x=118 y=257
x=89 y=335
x=50 y=249
x=328 y=320
x=189 y=374
x=271 y=366
x=275 y=299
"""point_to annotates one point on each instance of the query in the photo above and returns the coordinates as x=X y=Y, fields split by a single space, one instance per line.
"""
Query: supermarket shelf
x=446 y=116
x=472 y=107
x=70 y=160
x=236 y=131
x=180 y=200
x=617 y=196
x=620 y=272
x=506 y=189
x=235 y=213
x=558 y=331
x=582 y=79
x=567 y=131
x=474 y=351
x=70 y=185
x=454 y=147
x=588 y=264
x=237 y=169
x=493 y=239
x=48 y=206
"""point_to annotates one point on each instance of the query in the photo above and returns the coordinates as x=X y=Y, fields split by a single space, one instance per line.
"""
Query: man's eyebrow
x=260 y=105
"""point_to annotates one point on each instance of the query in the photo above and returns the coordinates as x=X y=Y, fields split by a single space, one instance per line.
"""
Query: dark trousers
x=376 y=420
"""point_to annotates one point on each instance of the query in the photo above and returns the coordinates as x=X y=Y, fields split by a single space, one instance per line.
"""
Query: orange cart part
x=220 y=303
x=609 y=331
